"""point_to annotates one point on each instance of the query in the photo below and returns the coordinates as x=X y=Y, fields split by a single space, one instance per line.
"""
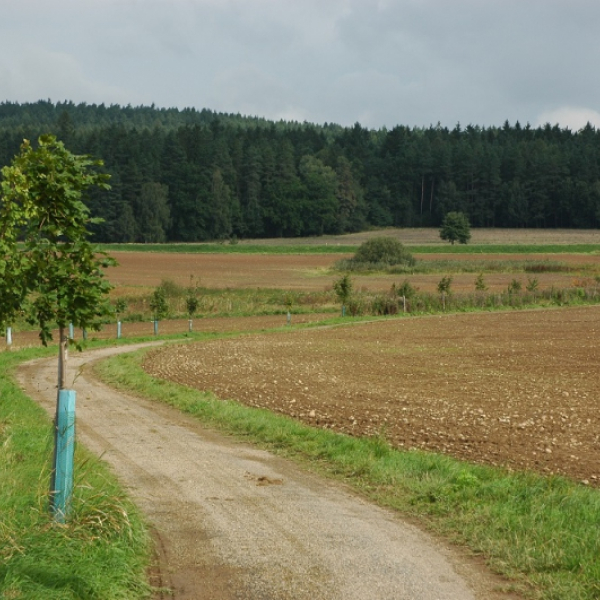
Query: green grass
x=507 y=249
x=229 y=248
x=208 y=248
x=104 y=549
x=540 y=533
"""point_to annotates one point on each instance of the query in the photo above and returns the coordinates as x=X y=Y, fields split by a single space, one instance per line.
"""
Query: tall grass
x=540 y=533
x=394 y=302
x=229 y=302
x=101 y=552
x=466 y=266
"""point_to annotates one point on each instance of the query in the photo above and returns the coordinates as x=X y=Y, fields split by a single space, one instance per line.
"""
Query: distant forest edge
x=192 y=176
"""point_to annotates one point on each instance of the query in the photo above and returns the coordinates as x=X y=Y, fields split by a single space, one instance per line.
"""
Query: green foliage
x=227 y=175
x=404 y=290
x=158 y=304
x=105 y=548
x=455 y=228
x=443 y=286
x=381 y=252
x=120 y=306
x=343 y=288
x=53 y=274
x=532 y=284
x=480 y=285
x=514 y=287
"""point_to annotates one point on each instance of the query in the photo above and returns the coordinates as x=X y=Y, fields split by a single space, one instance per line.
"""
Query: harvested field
x=308 y=272
x=515 y=389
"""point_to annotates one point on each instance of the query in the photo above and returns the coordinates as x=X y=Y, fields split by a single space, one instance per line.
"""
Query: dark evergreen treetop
x=193 y=175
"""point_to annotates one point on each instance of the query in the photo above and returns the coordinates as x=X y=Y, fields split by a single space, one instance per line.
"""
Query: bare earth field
x=517 y=389
x=309 y=272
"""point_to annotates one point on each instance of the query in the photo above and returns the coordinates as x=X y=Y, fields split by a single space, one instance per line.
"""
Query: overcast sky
x=378 y=62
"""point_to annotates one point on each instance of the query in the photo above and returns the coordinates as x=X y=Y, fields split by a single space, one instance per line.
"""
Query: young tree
x=50 y=272
x=159 y=306
x=480 y=284
x=443 y=288
x=343 y=290
x=54 y=275
x=191 y=300
x=456 y=228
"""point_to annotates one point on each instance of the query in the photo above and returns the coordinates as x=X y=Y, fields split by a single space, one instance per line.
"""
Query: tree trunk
x=62 y=358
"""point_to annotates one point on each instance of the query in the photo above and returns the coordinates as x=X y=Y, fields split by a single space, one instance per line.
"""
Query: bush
x=405 y=290
x=384 y=305
x=380 y=253
x=387 y=250
x=356 y=307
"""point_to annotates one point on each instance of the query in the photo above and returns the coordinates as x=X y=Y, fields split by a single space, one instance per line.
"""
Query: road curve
x=236 y=522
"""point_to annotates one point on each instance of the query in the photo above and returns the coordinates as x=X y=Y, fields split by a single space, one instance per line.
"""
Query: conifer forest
x=196 y=175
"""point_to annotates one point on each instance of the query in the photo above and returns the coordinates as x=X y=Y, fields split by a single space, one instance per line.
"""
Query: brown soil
x=234 y=522
x=312 y=272
x=517 y=389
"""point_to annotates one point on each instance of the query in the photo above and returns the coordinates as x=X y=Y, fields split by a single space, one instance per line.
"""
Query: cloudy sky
x=378 y=62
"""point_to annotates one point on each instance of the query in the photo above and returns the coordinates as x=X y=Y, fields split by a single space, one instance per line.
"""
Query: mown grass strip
x=229 y=248
x=506 y=249
x=541 y=533
x=104 y=549
x=207 y=248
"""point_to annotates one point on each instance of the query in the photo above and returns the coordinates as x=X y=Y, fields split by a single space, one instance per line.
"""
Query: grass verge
x=539 y=532
x=208 y=248
x=102 y=552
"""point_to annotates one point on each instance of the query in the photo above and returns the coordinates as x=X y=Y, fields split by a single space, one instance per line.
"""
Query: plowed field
x=309 y=272
x=517 y=389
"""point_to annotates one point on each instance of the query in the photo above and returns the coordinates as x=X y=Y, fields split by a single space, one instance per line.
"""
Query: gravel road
x=235 y=522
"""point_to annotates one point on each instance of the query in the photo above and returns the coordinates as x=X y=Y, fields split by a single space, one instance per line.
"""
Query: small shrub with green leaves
x=480 y=285
x=514 y=287
x=343 y=288
x=356 y=307
x=384 y=305
x=383 y=250
x=158 y=304
x=444 y=284
x=532 y=284
x=404 y=290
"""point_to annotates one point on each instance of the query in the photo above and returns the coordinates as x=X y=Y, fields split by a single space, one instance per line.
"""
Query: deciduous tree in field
x=49 y=270
x=456 y=228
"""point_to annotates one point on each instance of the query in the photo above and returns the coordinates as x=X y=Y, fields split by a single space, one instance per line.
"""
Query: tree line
x=189 y=175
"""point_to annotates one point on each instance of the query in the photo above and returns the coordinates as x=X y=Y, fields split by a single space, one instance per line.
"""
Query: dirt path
x=235 y=522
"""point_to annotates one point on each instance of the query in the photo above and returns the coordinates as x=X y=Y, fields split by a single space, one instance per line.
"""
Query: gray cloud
x=379 y=62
